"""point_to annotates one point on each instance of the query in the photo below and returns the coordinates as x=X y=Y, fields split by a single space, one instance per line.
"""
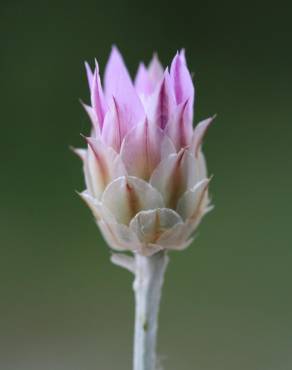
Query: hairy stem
x=149 y=274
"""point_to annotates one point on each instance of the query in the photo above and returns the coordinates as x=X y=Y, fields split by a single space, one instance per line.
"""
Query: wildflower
x=145 y=173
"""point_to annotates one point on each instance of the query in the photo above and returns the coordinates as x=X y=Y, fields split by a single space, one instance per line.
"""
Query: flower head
x=145 y=173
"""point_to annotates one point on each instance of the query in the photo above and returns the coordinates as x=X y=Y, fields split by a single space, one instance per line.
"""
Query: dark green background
x=227 y=301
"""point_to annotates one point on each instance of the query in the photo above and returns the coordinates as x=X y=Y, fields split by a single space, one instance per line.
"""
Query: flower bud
x=145 y=173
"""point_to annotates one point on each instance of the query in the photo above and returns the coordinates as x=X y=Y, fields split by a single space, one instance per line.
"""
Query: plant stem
x=149 y=274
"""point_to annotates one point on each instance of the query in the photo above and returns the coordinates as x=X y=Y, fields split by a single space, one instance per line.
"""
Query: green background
x=227 y=301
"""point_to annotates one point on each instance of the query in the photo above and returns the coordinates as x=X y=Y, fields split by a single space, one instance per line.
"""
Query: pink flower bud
x=145 y=173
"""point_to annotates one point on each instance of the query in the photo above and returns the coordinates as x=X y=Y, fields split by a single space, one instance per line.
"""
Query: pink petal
x=182 y=82
x=161 y=103
x=155 y=70
x=143 y=83
x=143 y=148
x=93 y=118
x=97 y=97
x=115 y=126
x=101 y=166
x=179 y=128
x=199 y=133
x=117 y=83
x=182 y=55
x=147 y=79
x=89 y=75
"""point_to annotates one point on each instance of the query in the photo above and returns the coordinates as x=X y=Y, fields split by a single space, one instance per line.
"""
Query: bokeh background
x=227 y=299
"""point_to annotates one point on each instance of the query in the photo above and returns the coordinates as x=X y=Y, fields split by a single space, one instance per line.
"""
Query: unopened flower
x=145 y=173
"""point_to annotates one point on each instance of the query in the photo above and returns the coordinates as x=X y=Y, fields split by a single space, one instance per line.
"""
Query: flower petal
x=93 y=118
x=195 y=201
x=126 y=196
x=94 y=205
x=97 y=98
x=147 y=79
x=202 y=167
x=155 y=70
x=176 y=238
x=182 y=82
x=80 y=152
x=161 y=103
x=150 y=225
x=89 y=75
x=182 y=55
x=199 y=133
x=102 y=165
x=117 y=83
x=143 y=83
x=117 y=236
x=143 y=148
x=174 y=175
x=115 y=126
x=179 y=128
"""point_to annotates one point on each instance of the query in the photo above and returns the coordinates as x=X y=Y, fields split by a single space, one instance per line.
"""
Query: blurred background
x=227 y=301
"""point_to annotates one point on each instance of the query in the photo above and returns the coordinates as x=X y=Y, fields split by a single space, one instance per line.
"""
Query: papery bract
x=145 y=172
